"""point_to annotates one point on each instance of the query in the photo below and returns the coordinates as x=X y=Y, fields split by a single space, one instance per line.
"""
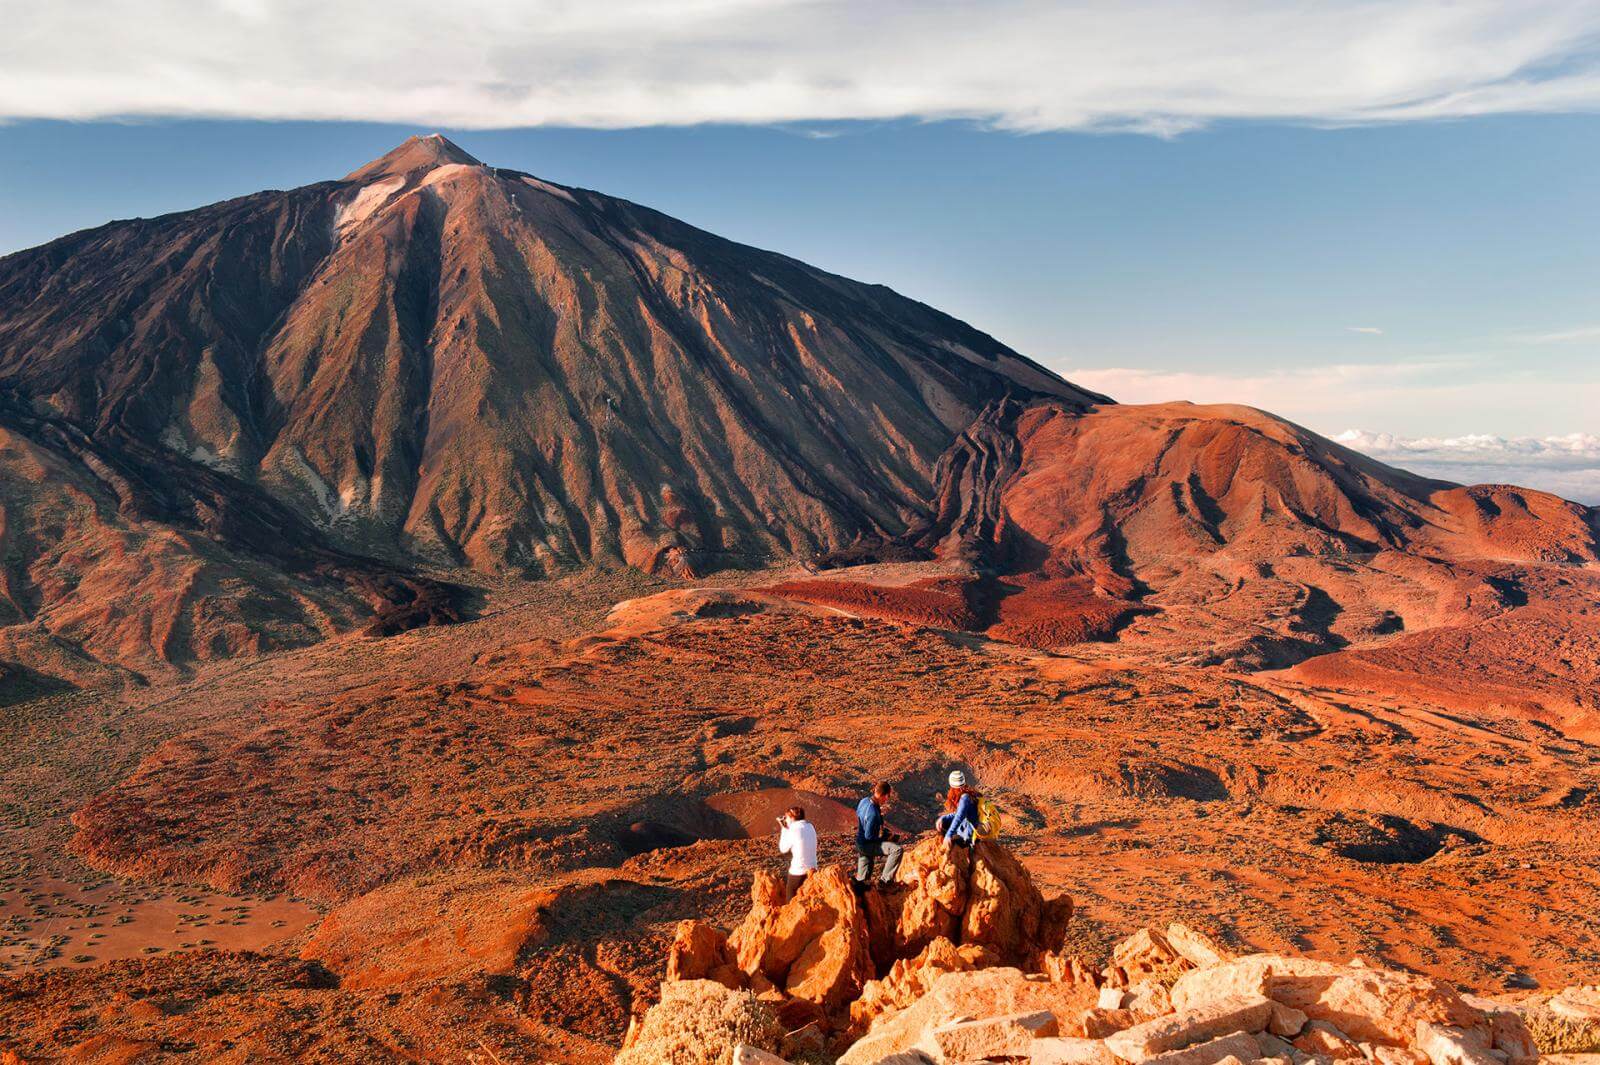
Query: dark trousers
x=871 y=849
x=792 y=884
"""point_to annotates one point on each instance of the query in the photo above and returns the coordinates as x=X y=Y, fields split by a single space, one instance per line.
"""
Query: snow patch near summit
x=365 y=202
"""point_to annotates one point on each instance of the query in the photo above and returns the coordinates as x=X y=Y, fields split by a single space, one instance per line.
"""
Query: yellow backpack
x=988 y=819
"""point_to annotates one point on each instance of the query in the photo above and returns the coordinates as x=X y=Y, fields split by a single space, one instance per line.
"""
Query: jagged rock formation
x=833 y=958
x=1173 y=997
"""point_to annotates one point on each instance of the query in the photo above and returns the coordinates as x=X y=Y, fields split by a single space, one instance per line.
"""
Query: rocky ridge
x=993 y=983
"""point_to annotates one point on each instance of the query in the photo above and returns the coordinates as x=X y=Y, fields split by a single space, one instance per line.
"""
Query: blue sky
x=1366 y=218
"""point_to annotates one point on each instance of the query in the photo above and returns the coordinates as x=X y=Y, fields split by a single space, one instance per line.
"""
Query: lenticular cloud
x=1156 y=66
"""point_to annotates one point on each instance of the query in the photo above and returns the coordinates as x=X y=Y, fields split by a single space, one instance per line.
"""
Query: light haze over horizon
x=1376 y=220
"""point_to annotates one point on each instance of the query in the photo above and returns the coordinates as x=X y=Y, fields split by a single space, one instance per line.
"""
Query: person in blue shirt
x=959 y=822
x=875 y=839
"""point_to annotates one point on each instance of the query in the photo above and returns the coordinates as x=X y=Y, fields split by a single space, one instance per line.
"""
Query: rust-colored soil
x=1338 y=731
x=1284 y=813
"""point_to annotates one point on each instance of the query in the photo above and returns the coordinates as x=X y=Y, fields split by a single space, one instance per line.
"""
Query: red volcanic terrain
x=423 y=590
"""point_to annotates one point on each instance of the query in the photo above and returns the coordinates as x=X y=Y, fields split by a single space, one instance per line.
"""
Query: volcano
x=436 y=362
x=663 y=534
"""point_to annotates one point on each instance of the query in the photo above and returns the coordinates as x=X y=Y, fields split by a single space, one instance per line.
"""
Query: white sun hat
x=958 y=779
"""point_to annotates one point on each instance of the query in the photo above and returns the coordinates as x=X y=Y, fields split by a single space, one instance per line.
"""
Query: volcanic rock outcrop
x=833 y=957
x=1173 y=997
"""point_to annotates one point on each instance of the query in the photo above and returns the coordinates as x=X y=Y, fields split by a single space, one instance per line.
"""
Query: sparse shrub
x=1555 y=1034
x=699 y=1022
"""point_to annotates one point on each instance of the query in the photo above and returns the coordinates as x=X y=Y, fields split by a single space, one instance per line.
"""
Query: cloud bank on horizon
x=1152 y=66
x=1567 y=465
x=1322 y=397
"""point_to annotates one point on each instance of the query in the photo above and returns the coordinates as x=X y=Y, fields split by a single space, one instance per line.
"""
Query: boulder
x=1194 y=1025
x=1578 y=1002
x=700 y=952
x=814 y=947
x=1147 y=999
x=993 y=1037
x=1369 y=1005
x=1097 y=1023
x=1067 y=1050
x=1286 y=1022
x=1240 y=1045
x=1145 y=953
x=745 y=1054
x=1448 y=1045
x=1320 y=1037
x=1196 y=947
x=1508 y=1031
x=910 y=978
x=980 y=993
x=700 y=1022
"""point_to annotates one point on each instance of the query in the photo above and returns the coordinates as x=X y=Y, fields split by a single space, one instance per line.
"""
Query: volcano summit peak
x=415 y=153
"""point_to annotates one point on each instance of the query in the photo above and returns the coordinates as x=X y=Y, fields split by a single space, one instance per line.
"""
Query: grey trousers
x=865 y=852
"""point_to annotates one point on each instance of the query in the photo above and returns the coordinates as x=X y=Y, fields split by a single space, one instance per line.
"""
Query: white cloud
x=1157 y=66
x=1369 y=329
x=1415 y=395
x=1568 y=465
x=1588 y=332
x=1299 y=392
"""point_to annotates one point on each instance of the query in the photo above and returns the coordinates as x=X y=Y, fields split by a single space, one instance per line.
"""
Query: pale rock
x=993 y=1037
x=1369 y=1005
x=1197 y=947
x=1098 y=1023
x=1274 y=1046
x=1144 y=954
x=1383 y=1055
x=1450 y=1045
x=1147 y=999
x=745 y=1054
x=1067 y=1050
x=1110 y=998
x=1320 y=1037
x=981 y=993
x=1582 y=1003
x=910 y=978
x=1241 y=1045
x=1238 y=1014
x=1286 y=1021
x=1508 y=1029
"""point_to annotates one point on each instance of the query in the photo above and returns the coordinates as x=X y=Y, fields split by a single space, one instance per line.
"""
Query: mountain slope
x=435 y=358
x=1222 y=535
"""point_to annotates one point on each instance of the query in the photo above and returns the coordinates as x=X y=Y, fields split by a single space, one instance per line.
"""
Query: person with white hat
x=959 y=822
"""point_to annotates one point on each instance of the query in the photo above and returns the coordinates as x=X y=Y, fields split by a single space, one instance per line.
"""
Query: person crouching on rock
x=798 y=839
x=874 y=838
x=959 y=822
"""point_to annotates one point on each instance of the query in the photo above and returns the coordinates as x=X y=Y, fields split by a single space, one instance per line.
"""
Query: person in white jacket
x=798 y=839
